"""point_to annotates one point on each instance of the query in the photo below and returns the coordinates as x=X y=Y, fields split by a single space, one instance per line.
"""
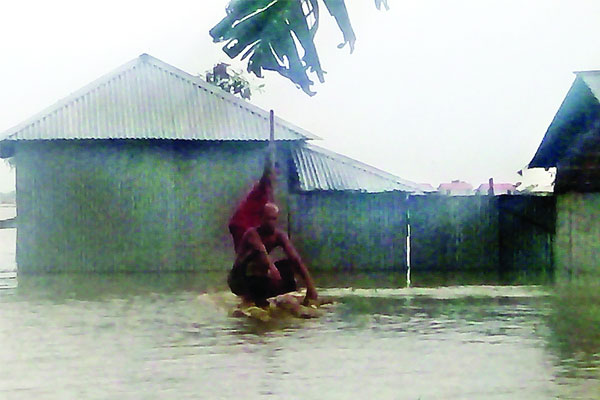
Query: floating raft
x=282 y=306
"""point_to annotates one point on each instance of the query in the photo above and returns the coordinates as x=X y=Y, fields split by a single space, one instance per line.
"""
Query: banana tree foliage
x=273 y=34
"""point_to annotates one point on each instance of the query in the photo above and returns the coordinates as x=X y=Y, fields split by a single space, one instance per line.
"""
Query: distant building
x=455 y=188
x=427 y=187
x=499 y=188
x=572 y=145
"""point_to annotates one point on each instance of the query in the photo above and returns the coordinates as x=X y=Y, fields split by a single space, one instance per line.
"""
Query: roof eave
x=387 y=182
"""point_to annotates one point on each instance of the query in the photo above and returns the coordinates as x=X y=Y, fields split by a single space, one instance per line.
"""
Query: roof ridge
x=197 y=79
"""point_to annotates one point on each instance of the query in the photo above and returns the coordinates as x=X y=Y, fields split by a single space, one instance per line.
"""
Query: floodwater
x=8 y=238
x=147 y=336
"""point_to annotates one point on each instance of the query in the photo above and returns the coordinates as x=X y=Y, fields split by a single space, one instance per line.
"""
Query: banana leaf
x=272 y=34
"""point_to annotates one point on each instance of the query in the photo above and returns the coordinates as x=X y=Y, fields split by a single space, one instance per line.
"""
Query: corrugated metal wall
x=577 y=245
x=164 y=206
x=131 y=205
x=482 y=233
x=526 y=232
x=454 y=233
x=349 y=230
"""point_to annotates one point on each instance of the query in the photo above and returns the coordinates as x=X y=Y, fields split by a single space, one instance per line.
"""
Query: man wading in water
x=254 y=276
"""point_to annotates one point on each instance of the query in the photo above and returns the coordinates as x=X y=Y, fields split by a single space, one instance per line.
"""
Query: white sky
x=435 y=90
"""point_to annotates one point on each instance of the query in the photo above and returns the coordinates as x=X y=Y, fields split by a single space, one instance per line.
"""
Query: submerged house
x=572 y=145
x=141 y=169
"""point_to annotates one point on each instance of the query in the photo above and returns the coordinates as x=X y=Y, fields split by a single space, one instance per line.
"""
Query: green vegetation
x=273 y=34
x=231 y=81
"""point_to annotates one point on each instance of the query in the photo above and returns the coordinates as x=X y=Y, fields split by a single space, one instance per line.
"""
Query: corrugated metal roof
x=150 y=99
x=568 y=128
x=320 y=169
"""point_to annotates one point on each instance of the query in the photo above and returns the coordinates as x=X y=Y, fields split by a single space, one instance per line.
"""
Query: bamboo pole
x=272 y=140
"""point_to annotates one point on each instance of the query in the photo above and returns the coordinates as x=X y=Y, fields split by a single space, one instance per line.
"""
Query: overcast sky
x=434 y=91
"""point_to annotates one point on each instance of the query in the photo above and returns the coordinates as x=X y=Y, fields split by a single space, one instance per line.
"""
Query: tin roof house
x=455 y=188
x=572 y=145
x=141 y=169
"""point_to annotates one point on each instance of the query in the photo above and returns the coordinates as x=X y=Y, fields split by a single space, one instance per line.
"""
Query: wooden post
x=407 y=202
x=272 y=166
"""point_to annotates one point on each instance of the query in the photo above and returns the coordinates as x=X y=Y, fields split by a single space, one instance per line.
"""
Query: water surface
x=145 y=336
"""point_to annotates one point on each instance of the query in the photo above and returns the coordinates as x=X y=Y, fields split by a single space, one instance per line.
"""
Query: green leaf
x=272 y=34
x=337 y=8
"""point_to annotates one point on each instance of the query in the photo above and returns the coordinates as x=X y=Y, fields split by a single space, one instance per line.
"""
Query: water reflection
x=574 y=319
x=83 y=286
x=170 y=336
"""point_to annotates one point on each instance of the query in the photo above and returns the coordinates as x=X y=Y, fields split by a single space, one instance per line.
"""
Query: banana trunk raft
x=283 y=306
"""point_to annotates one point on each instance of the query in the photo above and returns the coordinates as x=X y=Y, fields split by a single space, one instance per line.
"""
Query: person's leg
x=259 y=290
x=236 y=281
x=288 y=284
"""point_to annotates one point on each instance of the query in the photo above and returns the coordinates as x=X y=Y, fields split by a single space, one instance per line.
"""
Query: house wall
x=577 y=243
x=454 y=233
x=110 y=206
x=132 y=205
x=526 y=232
x=579 y=171
x=349 y=230
x=482 y=233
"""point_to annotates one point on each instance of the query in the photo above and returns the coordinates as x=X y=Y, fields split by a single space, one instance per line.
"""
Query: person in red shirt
x=254 y=276
x=249 y=212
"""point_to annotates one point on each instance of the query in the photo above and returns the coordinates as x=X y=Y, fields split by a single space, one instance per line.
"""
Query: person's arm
x=292 y=254
x=253 y=238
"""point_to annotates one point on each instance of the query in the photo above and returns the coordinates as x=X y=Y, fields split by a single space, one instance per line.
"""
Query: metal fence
x=369 y=231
